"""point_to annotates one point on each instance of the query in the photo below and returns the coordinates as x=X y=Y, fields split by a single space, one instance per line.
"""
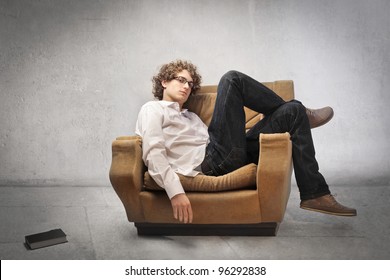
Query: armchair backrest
x=203 y=102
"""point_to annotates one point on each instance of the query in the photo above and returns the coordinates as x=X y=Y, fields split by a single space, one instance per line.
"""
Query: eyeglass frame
x=183 y=81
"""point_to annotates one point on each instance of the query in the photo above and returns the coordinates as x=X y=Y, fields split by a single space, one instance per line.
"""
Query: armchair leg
x=260 y=229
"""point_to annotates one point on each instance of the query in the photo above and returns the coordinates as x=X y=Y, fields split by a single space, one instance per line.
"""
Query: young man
x=177 y=141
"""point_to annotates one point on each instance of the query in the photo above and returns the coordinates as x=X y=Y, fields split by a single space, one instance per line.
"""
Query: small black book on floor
x=44 y=239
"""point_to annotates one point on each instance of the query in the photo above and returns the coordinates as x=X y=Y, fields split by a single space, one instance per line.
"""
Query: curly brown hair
x=168 y=72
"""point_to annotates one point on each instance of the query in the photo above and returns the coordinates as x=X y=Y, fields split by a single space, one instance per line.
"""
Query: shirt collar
x=173 y=105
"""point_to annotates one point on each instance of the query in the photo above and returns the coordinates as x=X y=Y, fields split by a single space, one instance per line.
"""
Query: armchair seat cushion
x=242 y=178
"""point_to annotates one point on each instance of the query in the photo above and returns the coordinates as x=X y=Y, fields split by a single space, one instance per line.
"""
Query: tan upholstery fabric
x=233 y=207
x=202 y=103
x=274 y=176
x=242 y=178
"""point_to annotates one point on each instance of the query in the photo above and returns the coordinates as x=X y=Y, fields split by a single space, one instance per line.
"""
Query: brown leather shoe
x=318 y=117
x=327 y=204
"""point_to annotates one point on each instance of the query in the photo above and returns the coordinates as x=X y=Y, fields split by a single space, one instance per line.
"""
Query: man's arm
x=149 y=127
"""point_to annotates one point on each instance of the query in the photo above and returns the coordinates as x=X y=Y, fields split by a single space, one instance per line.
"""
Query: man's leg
x=227 y=148
x=314 y=191
x=291 y=117
x=229 y=142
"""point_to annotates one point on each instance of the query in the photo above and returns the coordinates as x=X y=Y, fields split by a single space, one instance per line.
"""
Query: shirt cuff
x=174 y=188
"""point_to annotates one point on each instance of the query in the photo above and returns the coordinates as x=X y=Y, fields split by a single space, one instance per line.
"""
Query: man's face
x=178 y=89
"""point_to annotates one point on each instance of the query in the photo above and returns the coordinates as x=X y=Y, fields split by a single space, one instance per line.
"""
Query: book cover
x=44 y=239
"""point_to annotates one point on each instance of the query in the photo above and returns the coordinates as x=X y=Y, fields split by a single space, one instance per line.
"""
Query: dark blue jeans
x=231 y=147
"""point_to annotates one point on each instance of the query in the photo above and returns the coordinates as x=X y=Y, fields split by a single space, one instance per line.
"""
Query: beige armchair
x=248 y=201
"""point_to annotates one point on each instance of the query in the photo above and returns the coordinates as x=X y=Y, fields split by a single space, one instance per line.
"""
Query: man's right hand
x=182 y=208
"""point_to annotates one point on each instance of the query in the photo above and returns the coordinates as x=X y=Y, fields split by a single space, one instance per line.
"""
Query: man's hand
x=182 y=208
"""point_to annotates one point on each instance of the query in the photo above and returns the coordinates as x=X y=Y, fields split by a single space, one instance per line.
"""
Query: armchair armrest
x=126 y=174
x=274 y=175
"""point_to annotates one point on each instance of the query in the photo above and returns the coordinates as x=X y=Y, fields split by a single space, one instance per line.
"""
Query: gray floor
x=94 y=220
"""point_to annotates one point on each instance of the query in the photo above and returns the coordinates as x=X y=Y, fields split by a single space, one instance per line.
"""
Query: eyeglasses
x=184 y=81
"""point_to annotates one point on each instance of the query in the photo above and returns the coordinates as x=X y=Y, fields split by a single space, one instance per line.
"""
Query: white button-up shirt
x=173 y=141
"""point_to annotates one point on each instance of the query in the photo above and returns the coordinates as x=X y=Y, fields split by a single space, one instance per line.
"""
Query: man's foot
x=318 y=117
x=327 y=204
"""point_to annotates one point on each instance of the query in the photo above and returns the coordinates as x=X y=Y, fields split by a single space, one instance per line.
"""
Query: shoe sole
x=330 y=213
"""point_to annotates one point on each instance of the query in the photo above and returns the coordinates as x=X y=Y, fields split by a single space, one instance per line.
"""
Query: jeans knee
x=289 y=117
x=295 y=107
x=231 y=75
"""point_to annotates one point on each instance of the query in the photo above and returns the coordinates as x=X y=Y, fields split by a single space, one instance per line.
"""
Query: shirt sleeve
x=149 y=127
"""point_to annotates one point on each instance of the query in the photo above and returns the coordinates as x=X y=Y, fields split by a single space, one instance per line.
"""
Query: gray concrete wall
x=73 y=75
